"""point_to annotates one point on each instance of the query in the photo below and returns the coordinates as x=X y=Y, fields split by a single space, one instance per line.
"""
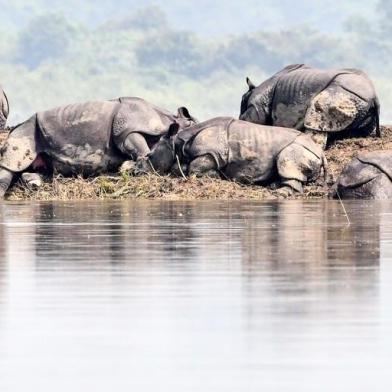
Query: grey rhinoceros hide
x=4 y=109
x=87 y=138
x=247 y=152
x=368 y=176
x=78 y=137
x=307 y=98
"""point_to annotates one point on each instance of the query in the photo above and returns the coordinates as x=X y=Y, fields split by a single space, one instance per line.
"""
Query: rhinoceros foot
x=128 y=167
x=32 y=181
x=285 y=191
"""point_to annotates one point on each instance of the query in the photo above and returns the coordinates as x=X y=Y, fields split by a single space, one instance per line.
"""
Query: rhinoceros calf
x=4 y=109
x=368 y=176
x=240 y=151
x=322 y=102
x=86 y=138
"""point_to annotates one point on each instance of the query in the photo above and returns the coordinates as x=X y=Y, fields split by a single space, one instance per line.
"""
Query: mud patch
x=331 y=112
x=17 y=154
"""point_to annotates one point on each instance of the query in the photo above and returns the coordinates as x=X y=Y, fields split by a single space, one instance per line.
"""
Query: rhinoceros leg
x=335 y=110
x=32 y=180
x=18 y=152
x=297 y=165
x=6 y=177
x=135 y=146
x=204 y=165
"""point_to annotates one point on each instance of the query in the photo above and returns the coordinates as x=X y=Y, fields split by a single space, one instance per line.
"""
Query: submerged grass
x=124 y=186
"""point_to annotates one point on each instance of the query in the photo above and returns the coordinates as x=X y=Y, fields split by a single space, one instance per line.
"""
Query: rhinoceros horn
x=250 y=84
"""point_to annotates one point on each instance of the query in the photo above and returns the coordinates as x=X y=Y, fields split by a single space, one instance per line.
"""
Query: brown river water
x=195 y=296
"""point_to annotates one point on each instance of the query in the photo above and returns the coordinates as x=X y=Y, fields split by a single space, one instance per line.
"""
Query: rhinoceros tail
x=377 y=115
x=324 y=164
x=5 y=106
x=10 y=128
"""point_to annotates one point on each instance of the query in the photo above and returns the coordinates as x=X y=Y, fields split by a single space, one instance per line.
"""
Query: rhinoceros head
x=163 y=155
x=251 y=110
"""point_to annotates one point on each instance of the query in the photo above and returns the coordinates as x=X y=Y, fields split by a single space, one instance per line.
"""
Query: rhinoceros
x=325 y=103
x=368 y=176
x=4 y=109
x=86 y=138
x=240 y=151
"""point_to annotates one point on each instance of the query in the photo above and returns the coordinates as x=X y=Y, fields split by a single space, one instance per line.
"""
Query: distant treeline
x=54 y=60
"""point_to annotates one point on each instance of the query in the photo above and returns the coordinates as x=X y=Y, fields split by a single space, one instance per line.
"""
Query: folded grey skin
x=338 y=102
x=4 y=109
x=86 y=138
x=368 y=176
x=241 y=151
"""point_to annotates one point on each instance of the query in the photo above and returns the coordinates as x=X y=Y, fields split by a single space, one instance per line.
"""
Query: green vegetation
x=78 y=52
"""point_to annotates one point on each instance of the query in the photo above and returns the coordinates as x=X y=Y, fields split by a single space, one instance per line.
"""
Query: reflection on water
x=214 y=296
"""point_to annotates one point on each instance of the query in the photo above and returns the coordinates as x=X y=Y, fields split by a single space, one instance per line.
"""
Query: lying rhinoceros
x=240 y=151
x=86 y=138
x=322 y=102
x=4 y=109
x=368 y=176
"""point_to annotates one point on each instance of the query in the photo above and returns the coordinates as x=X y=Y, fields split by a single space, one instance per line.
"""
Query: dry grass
x=144 y=187
x=172 y=188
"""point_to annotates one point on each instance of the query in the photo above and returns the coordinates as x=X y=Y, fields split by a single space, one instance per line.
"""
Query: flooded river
x=195 y=296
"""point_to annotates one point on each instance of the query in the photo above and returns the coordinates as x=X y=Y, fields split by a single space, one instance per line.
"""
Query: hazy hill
x=204 y=16
x=181 y=53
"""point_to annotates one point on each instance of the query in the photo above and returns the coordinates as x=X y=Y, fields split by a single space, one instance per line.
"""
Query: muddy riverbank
x=171 y=188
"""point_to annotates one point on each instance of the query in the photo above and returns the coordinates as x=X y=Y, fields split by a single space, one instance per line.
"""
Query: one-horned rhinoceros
x=321 y=102
x=86 y=138
x=368 y=176
x=4 y=109
x=240 y=151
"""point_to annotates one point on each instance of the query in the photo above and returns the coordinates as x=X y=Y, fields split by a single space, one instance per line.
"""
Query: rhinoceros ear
x=173 y=129
x=5 y=106
x=184 y=113
x=250 y=84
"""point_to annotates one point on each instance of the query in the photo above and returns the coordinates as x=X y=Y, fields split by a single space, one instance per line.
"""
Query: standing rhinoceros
x=368 y=176
x=86 y=138
x=321 y=102
x=240 y=151
x=4 y=109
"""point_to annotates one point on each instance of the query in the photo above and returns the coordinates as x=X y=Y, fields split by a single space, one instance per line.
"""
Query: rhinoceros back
x=247 y=140
x=358 y=83
x=382 y=160
x=261 y=97
x=253 y=150
x=142 y=104
x=293 y=92
x=208 y=137
x=79 y=135
x=78 y=124
x=141 y=116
